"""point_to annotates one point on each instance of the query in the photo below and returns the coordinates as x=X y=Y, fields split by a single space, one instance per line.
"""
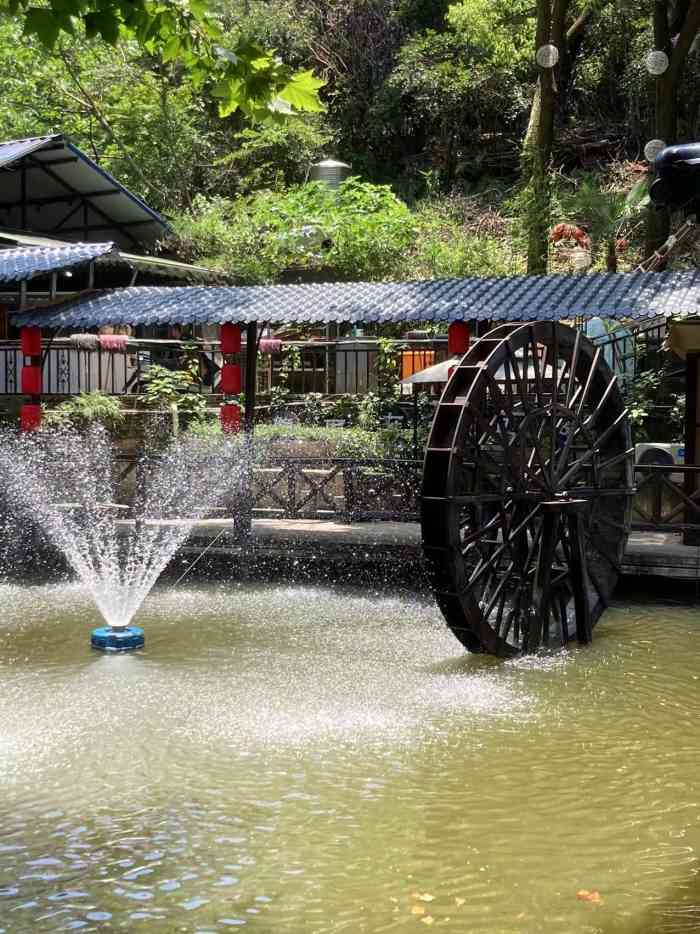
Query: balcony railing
x=667 y=498
x=326 y=367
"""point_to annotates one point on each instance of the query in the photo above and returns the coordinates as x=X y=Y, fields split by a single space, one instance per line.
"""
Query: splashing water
x=67 y=483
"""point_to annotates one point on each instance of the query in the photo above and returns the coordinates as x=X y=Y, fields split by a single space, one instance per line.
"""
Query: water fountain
x=67 y=483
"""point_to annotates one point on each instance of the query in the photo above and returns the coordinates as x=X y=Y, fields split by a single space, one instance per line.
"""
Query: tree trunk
x=539 y=139
x=611 y=256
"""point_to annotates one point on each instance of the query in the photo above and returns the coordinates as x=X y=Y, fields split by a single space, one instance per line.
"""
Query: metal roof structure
x=157 y=265
x=635 y=295
x=48 y=185
x=23 y=263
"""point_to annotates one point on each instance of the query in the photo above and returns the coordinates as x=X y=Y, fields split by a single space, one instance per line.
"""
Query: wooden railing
x=667 y=498
x=344 y=489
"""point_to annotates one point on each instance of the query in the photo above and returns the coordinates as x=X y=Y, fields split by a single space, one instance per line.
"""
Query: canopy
x=637 y=295
x=48 y=185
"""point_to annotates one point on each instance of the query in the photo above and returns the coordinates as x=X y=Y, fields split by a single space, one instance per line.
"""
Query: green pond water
x=309 y=759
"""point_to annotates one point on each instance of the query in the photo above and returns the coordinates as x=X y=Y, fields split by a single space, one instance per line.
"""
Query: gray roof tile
x=22 y=263
x=514 y=298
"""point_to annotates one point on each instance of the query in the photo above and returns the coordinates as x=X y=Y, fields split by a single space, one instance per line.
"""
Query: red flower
x=569 y=232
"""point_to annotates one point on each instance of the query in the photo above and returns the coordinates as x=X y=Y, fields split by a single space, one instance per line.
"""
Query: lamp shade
x=230 y=336
x=230 y=383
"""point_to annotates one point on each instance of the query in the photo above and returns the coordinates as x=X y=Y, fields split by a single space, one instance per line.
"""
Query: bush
x=84 y=410
x=360 y=231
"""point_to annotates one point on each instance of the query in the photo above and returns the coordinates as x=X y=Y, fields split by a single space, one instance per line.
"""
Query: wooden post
x=541 y=591
x=692 y=437
x=251 y=373
x=579 y=571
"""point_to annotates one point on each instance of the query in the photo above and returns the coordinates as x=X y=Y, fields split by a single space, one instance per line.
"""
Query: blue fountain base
x=107 y=639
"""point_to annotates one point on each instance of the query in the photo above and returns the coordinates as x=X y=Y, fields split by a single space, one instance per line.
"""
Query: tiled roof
x=22 y=263
x=155 y=265
x=515 y=298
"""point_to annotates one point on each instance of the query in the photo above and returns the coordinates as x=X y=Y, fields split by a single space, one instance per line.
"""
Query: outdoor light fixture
x=656 y=62
x=653 y=148
x=547 y=56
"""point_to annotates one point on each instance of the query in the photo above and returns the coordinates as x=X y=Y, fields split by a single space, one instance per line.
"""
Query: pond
x=308 y=759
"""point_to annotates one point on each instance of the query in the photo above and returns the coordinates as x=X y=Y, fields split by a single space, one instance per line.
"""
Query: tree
x=539 y=139
x=240 y=74
x=551 y=94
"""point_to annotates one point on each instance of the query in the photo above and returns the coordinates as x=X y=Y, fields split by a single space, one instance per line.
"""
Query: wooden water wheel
x=527 y=489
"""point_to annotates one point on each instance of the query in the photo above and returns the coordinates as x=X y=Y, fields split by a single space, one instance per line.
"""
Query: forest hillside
x=471 y=151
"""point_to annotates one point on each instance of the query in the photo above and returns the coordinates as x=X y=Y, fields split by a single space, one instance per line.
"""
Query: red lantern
x=230 y=383
x=230 y=418
x=31 y=380
x=458 y=338
x=230 y=336
x=30 y=341
x=30 y=417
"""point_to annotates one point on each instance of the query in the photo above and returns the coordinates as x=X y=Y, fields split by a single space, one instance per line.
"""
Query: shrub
x=360 y=231
x=84 y=410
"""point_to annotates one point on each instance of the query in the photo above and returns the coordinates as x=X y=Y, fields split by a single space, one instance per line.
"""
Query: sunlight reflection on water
x=307 y=759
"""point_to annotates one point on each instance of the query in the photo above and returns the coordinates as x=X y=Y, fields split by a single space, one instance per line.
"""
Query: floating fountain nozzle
x=117 y=638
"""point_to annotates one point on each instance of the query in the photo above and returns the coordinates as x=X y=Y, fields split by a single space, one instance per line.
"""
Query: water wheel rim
x=531 y=416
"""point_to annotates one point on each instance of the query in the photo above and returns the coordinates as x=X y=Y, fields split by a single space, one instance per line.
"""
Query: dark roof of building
x=515 y=298
x=23 y=263
x=156 y=265
x=48 y=185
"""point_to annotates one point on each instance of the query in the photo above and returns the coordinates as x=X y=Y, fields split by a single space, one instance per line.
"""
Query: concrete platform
x=658 y=554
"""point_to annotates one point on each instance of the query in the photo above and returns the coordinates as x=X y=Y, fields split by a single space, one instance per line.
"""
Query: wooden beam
x=58 y=199
x=251 y=373
x=112 y=225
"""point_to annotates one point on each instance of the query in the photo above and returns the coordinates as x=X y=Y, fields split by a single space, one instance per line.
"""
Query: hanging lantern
x=30 y=341
x=230 y=418
x=458 y=338
x=230 y=383
x=31 y=380
x=230 y=336
x=30 y=417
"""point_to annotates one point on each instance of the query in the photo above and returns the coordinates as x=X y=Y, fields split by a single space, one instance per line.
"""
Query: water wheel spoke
x=593 y=451
x=590 y=421
x=538 y=448
x=498 y=590
x=583 y=398
x=573 y=367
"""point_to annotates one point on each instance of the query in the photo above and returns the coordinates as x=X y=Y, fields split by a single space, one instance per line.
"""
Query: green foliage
x=360 y=231
x=174 y=389
x=388 y=368
x=278 y=156
x=444 y=247
x=314 y=412
x=84 y=410
x=501 y=31
x=641 y=398
x=606 y=213
x=279 y=400
x=677 y=417
x=239 y=73
x=345 y=407
x=372 y=408
x=441 y=94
